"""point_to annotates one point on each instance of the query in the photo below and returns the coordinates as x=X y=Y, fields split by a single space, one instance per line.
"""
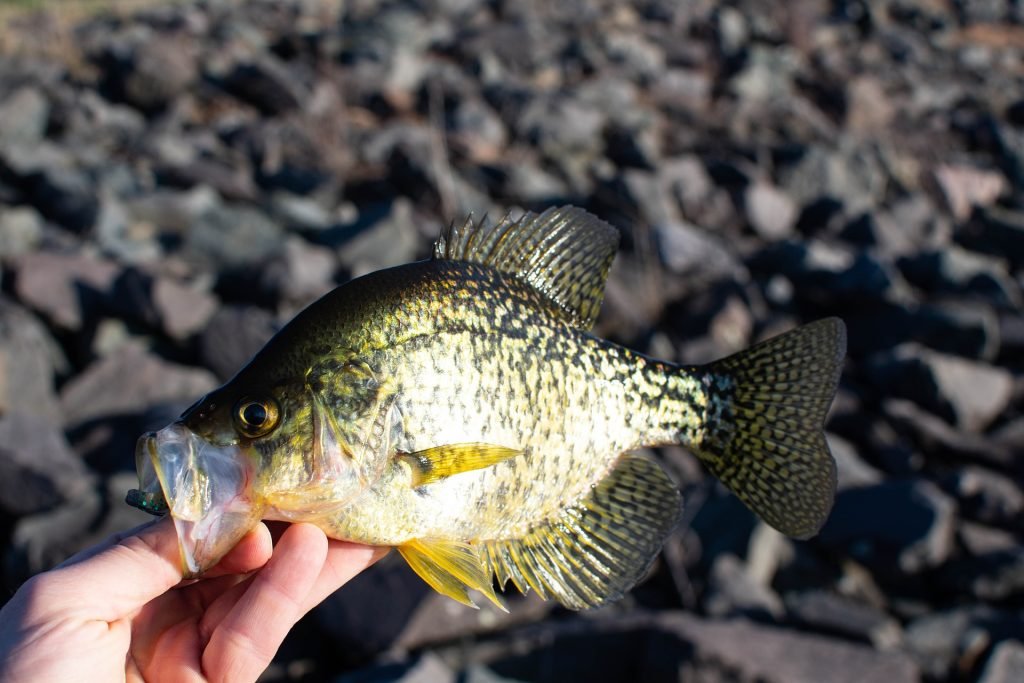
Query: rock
x=28 y=360
x=687 y=250
x=38 y=471
x=964 y=187
x=428 y=668
x=300 y=213
x=477 y=132
x=182 y=309
x=731 y=592
x=301 y=273
x=869 y=108
x=1005 y=664
x=958 y=271
x=851 y=470
x=41 y=541
x=935 y=435
x=953 y=640
x=25 y=114
x=992 y=577
x=831 y=613
x=152 y=72
x=996 y=231
x=979 y=540
x=894 y=526
x=228 y=237
x=53 y=182
x=232 y=338
x=963 y=392
x=128 y=384
x=268 y=84
x=670 y=646
x=988 y=497
x=21 y=230
x=769 y=211
x=390 y=241
x=66 y=288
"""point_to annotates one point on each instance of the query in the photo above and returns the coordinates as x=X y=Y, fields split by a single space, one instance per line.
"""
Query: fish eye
x=256 y=417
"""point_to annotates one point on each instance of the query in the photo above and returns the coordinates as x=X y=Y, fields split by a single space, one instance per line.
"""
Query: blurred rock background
x=177 y=180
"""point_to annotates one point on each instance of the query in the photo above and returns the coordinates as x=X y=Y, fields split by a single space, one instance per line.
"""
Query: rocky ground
x=175 y=184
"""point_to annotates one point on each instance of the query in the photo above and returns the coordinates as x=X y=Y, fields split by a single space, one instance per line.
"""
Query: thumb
x=120 y=575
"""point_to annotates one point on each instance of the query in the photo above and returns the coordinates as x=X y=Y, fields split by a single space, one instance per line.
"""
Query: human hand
x=117 y=611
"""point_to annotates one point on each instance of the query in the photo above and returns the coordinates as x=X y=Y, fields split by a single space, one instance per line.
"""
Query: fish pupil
x=254 y=414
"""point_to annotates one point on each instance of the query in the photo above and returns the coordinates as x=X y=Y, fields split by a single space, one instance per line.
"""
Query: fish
x=460 y=410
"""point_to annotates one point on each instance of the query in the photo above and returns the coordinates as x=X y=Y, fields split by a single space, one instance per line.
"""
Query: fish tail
x=763 y=428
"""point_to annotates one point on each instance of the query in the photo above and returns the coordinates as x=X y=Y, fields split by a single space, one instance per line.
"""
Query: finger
x=249 y=635
x=251 y=553
x=344 y=561
x=121 y=576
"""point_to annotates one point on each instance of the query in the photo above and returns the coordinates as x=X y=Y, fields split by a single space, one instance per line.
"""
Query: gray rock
x=996 y=231
x=957 y=271
x=477 y=132
x=55 y=183
x=953 y=640
x=687 y=250
x=732 y=592
x=937 y=436
x=66 y=288
x=44 y=540
x=127 y=384
x=28 y=359
x=979 y=540
x=1005 y=664
x=24 y=114
x=894 y=526
x=38 y=471
x=427 y=668
x=992 y=577
x=964 y=392
x=296 y=212
x=301 y=273
x=233 y=238
x=21 y=230
x=832 y=613
x=233 y=336
x=851 y=470
x=153 y=71
x=769 y=211
x=391 y=241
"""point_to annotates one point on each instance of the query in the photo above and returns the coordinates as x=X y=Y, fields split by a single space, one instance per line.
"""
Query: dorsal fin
x=564 y=253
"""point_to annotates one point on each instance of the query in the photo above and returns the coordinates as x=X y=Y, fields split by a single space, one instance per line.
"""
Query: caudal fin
x=766 y=409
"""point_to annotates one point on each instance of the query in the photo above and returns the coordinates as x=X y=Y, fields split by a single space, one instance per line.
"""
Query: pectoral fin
x=450 y=567
x=434 y=464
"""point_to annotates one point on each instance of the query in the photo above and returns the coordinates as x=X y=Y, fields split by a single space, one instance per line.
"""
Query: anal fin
x=450 y=567
x=434 y=464
x=598 y=548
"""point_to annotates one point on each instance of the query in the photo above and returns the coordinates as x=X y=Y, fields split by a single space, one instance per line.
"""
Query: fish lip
x=206 y=488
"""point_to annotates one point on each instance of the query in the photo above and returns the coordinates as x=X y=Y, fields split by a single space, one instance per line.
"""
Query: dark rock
x=988 y=497
x=148 y=71
x=831 y=613
x=732 y=592
x=28 y=358
x=1005 y=664
x=634 y=142
x=41 y=541
x=894 y=526
x=964 y=392
x=935 y=435
x=129 y=383
x=427 y=668
x=477 y=132
x=66 y=288
x=957 y=271
x=268 y=84
x=233 y=336
x=672 y=646
x=769 y=211
x=38 y=471
x=343 y=615
x=992 y=577
x=996 y=231
x=979 y=540
x=25 y=114
x=53 y=182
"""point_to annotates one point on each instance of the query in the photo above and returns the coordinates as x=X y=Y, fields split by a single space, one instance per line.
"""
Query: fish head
x=208 y=469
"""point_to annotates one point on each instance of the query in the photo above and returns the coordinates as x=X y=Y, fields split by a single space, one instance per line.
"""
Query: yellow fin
x=434 y=464
x=598 y=548
x=563 y=253
x=450 y=567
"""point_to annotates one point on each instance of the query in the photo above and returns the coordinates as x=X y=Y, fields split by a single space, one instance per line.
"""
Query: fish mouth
x=205 y=488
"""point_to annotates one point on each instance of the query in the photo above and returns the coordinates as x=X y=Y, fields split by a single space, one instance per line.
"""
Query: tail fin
x=766 y=409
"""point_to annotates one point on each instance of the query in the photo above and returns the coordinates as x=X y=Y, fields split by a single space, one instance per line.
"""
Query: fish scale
x=460 y=410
